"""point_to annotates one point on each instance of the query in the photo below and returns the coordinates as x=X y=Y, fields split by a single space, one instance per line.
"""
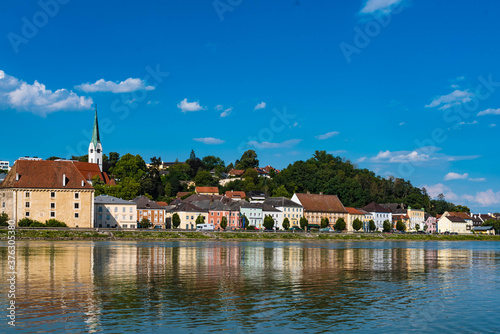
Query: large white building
x=380 y=214
x=289 y=209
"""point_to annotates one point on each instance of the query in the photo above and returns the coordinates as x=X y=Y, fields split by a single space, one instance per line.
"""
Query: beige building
x=150 y=210
x=352 y=215
x=113 y=212
x=321 y=206
x=452 y=224
x=188 y=213
x=43 y=190
x=417 y=216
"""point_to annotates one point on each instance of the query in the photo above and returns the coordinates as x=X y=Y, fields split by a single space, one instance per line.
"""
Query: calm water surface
x=255 y=287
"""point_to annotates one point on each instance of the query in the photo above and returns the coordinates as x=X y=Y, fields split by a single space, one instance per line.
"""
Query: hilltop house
x=207 y=190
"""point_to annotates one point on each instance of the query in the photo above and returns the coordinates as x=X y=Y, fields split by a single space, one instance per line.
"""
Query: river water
x=254 y=287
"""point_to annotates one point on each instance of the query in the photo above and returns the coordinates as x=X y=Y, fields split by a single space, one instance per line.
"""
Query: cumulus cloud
x=436 y=189
x=265 y=144
x=455 y=98
x=489 y=112
x=485 y=198
x=186 y=106
x=478 y=179
x=36 y=98
x=219 y=107
x=400 y=156
x=327 y=135
x=373 y=6
x=492 y=125
x=362 y=159
x=261 y=105
x=455 y=176
x=127 y=86
x=226 y=112
x=210 y=141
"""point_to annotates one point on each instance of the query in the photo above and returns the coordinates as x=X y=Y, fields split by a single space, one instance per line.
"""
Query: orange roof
x=91 y=170
x=353 y=211
x=162 y=203
x=182 y=193
x=463 y=215
x=236 y=172
x=45 y=174
x=213 y=190
x=235 y=194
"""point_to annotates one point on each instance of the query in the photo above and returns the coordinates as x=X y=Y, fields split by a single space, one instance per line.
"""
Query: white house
x=277 y=215
x=253 y=212
x=380 y=214
x=290 y=209
x=111 y=212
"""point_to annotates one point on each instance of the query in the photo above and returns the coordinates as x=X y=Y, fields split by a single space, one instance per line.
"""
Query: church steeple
x=95 y=132
x=95 y=147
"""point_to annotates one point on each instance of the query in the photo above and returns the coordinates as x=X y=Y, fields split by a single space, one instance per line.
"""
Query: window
x=3 y=204
x=100 y=208
x=140 y=212
x=77 y=215
x=123 y=218
x=27 y=214
x=132 y=226
x=77 y=205
x=116 y=209
x=52 y=205
x=77 y=195
x=107 y=217
x=131 y=217
x=52 y=214
x=187 y=217
x=100 y=217
x=131 y=210
x=125 y=226
x=27 y=195
x=123 y=209
x=52 y=194
x=27 y=204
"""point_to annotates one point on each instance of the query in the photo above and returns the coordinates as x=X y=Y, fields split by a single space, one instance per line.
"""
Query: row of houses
x=62 y=190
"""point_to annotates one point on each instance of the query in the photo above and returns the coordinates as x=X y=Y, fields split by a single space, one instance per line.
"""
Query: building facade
x=112 y=212
x=148 y=209
x=317 y=207
x=42 y=190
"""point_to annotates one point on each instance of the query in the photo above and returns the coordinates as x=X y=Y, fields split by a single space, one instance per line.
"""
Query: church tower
x=95 y=147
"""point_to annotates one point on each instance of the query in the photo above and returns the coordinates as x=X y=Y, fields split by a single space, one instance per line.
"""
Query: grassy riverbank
x=43 y=234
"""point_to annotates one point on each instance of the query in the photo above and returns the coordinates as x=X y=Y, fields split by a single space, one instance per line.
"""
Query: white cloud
x=402 y=123
x=153 y=103
x=127 y=86
x=492 y=125
x=455 y=98
x=36 y=98
x=226 y=112
x=478 y=179
x=400 y=156
x=265 y=144
x=186 y=106
x=463 y=157
x=261 y=105
x=210 y=141
x=327 y=135
x=489 y=112
x=219 y=107
x=455 y=176
x=372 y=6
x=435 y=190
x=485 y=198
x=362 y=159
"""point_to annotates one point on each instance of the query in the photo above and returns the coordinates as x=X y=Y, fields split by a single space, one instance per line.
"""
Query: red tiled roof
x=162 y=203
x=214 y=190
x=91 y=170
x=45 y=175
x=321 y=203
x=463 y=215
x=235 y=194
x=236 y=172
x=353 y=211
x=182 y=193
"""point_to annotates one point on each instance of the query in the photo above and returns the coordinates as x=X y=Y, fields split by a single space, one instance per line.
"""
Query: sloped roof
x=164 y=204
x=321 y=203
x=207 y=190
x=463 y=215
x=269 y=208
x=375 y=207
x=105 y=199
x=235 y=194
x=44 y=174
x=90 y=170
x=182 y=193
x=145 y=203
x=188 y=207
x=236 y=172
x=281 y=202
x=353 y=211
x=455 y=219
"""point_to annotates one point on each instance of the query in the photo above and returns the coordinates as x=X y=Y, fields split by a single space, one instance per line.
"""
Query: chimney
x=64 y=180
x=83 y=183
x=17 y=176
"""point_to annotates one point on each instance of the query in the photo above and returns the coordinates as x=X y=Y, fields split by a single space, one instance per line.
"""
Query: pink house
x=431 y=223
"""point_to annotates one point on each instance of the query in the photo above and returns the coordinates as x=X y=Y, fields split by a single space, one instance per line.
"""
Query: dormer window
x=98 y=150
x=91 y=150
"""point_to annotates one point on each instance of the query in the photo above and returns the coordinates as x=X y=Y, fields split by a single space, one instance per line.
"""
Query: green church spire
x=95 y=132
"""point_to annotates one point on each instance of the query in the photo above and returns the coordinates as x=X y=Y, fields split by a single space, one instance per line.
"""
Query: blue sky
x=405 y=88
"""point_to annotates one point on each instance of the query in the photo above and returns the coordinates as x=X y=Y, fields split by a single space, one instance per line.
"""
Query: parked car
x=326 y=229
x=295 y=228
x=205 y=227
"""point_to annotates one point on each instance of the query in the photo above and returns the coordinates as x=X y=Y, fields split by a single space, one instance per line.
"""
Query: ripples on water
x=255 y=287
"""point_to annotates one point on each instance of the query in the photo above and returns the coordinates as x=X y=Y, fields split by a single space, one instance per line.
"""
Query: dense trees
x=286 y=223
x=4 y=219
x=200 y=220
x=325 y=222
x=387 y=226
x=303 y=222
x=268 y=222
x=371 y=225
x=223 y=223
x=400 y=226
x=176 y=220
x=340 y=224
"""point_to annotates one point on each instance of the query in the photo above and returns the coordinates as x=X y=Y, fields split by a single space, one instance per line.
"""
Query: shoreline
x=116 y=235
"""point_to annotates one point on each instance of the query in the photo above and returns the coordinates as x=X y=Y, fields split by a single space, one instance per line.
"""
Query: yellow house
x=352 y=215
x=188 y=213
x=43 y=190
x=417 y=216
x=452 y=224
x=317 y=207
